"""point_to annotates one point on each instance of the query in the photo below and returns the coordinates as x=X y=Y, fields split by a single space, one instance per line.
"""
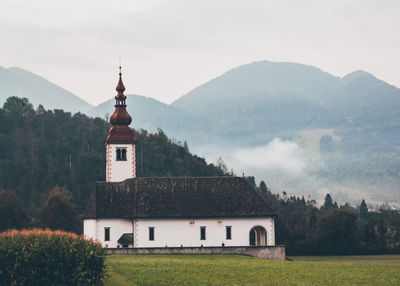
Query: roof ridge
x=180 y=197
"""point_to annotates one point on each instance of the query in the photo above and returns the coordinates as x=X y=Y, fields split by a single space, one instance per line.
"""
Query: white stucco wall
x=118 y=171
x=95 y=229
x=89 y=228
x=174 y=233
x=177 y=232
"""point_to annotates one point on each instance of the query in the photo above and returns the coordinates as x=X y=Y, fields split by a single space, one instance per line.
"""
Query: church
x=126 y=212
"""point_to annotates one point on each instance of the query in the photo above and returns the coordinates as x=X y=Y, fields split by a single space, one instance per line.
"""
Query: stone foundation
x=266 y=252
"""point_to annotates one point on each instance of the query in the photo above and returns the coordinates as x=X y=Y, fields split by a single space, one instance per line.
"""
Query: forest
x=50 y=161
x=330 y=229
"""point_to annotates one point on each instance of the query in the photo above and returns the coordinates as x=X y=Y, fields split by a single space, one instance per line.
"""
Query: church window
x=228 y=232
x=121 y=154
x=151 y=233
x=202 y=233
x=106 y=234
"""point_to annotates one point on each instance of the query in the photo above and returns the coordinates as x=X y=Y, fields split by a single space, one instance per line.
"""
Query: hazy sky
x=170 y=47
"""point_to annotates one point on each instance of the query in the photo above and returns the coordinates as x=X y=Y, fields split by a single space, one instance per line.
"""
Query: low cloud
x=277 y=155
x=284 y=166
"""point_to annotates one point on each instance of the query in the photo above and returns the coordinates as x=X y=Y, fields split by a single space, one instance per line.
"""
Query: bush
x=44 y=257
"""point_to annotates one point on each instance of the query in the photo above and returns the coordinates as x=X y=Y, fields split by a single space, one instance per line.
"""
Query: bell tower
x=120 y=142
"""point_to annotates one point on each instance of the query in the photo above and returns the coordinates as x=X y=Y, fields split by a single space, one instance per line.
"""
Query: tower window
x=121 y=154
x=151 y=233
x=106 y=234
x=228 y=232
x=202 y=233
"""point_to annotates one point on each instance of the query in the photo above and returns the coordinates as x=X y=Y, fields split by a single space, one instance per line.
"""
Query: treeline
x=41 y=149
x=330 y=229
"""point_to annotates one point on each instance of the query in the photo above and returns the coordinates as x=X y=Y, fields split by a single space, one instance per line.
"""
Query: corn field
x=45 y=257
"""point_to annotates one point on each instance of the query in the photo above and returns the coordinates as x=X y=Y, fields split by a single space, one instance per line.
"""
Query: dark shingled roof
x=174 y=197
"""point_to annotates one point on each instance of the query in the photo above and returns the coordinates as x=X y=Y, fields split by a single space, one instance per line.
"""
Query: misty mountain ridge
x=275 y=99
x=149 y=114
x=18 y=82
x=348 y=127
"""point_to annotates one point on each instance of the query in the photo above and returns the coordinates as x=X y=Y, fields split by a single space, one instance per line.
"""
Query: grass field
x=358 y=259
x=243 y=270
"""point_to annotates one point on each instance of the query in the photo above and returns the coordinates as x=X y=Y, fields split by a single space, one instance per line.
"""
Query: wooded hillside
x=42 y=148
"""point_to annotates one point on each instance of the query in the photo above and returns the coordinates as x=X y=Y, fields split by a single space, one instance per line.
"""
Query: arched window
x=121 y=154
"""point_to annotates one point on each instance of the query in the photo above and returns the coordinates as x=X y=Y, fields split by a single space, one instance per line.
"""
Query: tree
x=221 y=165
x=251 y=180
x=328 y=204
x=186 y=146
x=40 y=110
x=263 y=187
x=363 y=210
x=17 y=105
x=58 y=213
x=12 y=214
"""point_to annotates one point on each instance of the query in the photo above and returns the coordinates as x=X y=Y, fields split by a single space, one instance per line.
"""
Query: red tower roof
x=120 y=120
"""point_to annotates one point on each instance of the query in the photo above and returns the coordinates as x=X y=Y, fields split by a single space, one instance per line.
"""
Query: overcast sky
x=170 y=47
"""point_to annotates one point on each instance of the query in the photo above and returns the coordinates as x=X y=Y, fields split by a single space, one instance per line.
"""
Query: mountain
x=364 y=97
x=263 y=100
x=150 y=114
x=349 y=127
x=18 y=82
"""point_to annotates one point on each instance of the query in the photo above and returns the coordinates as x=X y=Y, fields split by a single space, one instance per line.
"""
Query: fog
x=282 y=156
x=284 y=167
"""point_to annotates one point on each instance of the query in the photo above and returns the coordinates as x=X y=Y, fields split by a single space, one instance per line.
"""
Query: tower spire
x=120 y=142
x=120 y=86
x=120 y=119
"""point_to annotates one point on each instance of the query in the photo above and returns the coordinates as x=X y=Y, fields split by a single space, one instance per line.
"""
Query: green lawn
x=243 y=270
x=359 y=259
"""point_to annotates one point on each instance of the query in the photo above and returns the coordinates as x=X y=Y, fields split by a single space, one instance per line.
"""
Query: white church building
x=126 y=212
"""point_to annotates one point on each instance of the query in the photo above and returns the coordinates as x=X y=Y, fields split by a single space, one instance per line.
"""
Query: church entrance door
x=258 y=236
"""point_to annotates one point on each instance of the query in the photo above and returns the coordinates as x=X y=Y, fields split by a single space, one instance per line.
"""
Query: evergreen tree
x=328 y=204
x=363 y=210
x=186 y=146
x=263 y=187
